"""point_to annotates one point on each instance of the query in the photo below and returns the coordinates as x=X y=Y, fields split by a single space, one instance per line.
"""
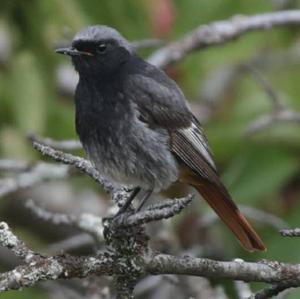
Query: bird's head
x=98 y=50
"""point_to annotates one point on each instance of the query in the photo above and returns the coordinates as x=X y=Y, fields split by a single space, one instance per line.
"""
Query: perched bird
x=136 y=127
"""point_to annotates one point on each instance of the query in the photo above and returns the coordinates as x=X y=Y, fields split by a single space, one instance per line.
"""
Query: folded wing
x=161 y=104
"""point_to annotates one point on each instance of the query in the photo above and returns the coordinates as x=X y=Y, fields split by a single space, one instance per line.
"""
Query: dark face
x=98 y=51
x=98 y=57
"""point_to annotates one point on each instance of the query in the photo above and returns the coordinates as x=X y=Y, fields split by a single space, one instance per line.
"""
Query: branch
x=268 y=120
x=40 y=268
x=218 y=86
x=280 y=113
x=64 y=145
x=119 y=195
x=39 y=173
x=272 y=291
x=243 y=290
x=272 y=95
x=155 y=213
x=14 y=165
x=80 y=163
x=146 y=43
x=267 y=271
x=88 y=223
x=71 y=243
x=53 y=268
x=251 y=213
x=220 y=32
x=129 y=243
x=295 y=232
x=10 y=241
x=127 y=238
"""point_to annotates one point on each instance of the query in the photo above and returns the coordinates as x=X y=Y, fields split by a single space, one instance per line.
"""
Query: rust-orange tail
x=219 y=199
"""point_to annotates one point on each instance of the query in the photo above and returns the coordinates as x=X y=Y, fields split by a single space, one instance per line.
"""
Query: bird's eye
x=102 y=48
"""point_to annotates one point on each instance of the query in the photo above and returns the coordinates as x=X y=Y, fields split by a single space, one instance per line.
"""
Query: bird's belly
x=139 y=159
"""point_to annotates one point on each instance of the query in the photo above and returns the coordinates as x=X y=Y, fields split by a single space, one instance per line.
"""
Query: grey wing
x=192 y=144
x=160 y=103
x=159 y=100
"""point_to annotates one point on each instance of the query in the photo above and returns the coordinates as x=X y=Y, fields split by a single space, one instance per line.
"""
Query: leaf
x=28 y=94
x=259 y=172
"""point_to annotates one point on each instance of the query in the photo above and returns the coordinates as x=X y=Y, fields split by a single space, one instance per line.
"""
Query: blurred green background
x=261 y=171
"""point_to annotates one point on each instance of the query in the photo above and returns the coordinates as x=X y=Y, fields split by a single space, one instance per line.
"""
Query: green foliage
x=255 y=169
x=24 y=294
x=259 y=173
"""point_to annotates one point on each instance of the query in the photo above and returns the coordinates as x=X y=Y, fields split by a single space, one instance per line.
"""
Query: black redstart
x=136 y=126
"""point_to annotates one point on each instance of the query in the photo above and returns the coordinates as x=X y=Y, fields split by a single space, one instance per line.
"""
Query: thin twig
x=272 y=291
x=252 y=213
x=147 y=43
x=10 y=241
x=71 y=243
x=80 y=163
x=64 y=145
x=268 y=120
x=273 y=96
x=38 y=173
x=280 y=112
x=295 y=232
x=221 y=82
x=88 y=223
x=14 y=165
x=243 y=290
x=118 y=194
x=155 y=214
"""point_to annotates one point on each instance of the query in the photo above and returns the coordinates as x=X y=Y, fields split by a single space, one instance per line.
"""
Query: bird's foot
x=128 y=201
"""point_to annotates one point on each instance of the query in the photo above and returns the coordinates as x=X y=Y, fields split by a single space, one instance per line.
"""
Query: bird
x=138 y=130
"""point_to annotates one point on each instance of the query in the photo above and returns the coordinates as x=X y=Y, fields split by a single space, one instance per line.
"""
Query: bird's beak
x=72 y=52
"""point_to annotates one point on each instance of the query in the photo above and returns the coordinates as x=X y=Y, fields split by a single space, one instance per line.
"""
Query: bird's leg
x=128 y=201
x=144 y=199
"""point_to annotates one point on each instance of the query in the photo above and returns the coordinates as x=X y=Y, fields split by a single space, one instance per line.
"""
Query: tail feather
x=227 y=210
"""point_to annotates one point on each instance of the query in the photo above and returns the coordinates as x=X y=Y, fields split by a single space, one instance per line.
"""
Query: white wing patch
x=196 y=137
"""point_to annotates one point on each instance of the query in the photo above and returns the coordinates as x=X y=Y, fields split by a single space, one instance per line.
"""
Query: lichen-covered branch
x=38 y=174
x=220 y=32
x=155 y=213
x=294 y=232
x=13 y=243
x=266 y=271
x=88 y=223
x=64 y=145
x=273 y=290
x=7 y=165
x=130 y=253
x=52 y=268
x=80 y=163
x=40 y=268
